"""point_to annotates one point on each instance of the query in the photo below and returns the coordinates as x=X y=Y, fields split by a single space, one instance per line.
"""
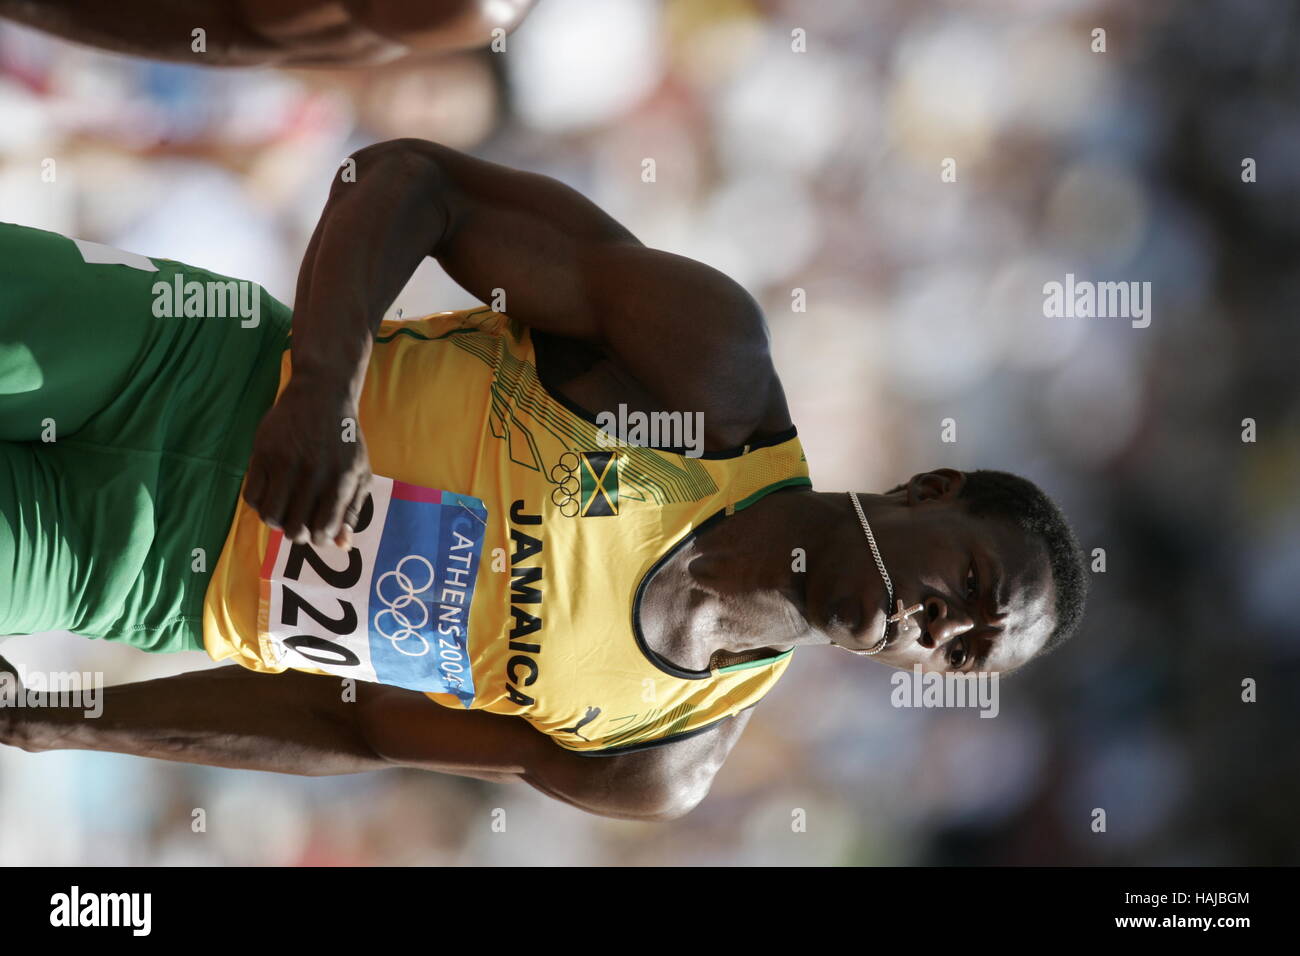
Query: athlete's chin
x=864 y=634
x=862 y=637
x=854 y=637
x=894 y=659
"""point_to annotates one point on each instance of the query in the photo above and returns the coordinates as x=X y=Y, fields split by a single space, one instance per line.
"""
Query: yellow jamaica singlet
x=574 y=530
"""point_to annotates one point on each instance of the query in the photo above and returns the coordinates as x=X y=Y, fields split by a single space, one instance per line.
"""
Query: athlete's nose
x=941 y=623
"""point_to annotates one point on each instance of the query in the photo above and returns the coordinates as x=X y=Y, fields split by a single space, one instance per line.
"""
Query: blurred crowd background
x=820 y=171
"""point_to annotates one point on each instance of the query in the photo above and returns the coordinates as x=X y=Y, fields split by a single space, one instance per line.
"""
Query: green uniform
x=130 y=390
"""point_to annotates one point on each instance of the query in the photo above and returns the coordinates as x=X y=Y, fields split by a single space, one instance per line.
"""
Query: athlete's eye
x=957 y=653
x=972 y=582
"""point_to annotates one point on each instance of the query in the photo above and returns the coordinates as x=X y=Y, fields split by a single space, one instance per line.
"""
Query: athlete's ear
x=942 y=484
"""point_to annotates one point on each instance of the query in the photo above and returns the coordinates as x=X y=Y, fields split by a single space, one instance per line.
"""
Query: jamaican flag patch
x=598 y=479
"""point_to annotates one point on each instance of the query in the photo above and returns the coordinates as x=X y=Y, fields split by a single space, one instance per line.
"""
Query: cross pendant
x=904 y=612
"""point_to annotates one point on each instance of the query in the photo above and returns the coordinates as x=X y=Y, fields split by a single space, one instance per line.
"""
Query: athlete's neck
x=741 y=585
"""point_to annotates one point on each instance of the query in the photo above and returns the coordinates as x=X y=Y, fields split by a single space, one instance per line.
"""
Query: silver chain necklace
x=901 y=613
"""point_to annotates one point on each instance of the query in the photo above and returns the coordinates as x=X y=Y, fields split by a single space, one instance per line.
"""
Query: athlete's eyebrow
x=992 y=584
x=989 y=579
x=999 y=589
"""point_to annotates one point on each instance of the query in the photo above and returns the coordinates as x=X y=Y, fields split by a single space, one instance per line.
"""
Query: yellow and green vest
x=575 y=529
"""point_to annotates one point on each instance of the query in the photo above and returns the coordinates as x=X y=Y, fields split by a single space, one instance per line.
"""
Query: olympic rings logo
x=565 y=495
x=403 y=627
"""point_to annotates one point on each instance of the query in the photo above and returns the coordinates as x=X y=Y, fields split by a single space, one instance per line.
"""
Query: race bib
x=395 y=607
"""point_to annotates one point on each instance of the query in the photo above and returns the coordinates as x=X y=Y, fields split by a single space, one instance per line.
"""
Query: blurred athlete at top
x=273 y=32
x=596 y=620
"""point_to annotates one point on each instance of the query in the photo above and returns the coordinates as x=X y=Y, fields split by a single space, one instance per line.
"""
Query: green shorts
x=127 y=415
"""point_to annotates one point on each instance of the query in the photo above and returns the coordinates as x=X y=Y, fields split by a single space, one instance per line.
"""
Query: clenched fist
x=309 y=472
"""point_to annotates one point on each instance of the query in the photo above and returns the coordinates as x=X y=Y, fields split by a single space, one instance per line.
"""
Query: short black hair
x=1000 y=494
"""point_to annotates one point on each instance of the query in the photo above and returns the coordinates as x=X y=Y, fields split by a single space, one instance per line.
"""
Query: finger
x=301 y=506
x=352 y=514
x=297 y=511
x=275 y=499
x=328 y=516
x=343 y=540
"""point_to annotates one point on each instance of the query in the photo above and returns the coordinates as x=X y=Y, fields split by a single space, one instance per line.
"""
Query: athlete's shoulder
x=683 y=769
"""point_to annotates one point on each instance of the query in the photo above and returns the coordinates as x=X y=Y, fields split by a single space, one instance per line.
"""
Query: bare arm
x=300 y=724
x=272 y=32
x=156 y=29
x=565 y=266
x=661 y=783
x=681 y=328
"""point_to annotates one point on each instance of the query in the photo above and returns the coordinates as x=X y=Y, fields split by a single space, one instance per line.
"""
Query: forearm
x=226 y=717
x=502 y=749
x=382 y=219
x=149 y=28
x=301 y=724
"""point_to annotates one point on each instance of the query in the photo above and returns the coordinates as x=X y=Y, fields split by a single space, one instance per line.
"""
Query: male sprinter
x=591 y=617
x=273 y=32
